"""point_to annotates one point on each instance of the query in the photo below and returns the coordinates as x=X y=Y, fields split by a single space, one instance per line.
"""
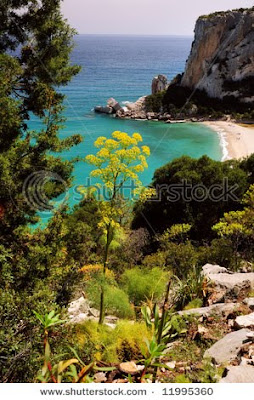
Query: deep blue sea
x=123 y=67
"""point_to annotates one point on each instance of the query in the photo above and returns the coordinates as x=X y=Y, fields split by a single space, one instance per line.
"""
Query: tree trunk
x=105 y=263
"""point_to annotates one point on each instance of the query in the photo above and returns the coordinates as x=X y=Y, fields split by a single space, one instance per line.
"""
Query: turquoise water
x=123 y=67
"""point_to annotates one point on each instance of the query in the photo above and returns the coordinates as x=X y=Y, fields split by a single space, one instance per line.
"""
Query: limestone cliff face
x=222 y=56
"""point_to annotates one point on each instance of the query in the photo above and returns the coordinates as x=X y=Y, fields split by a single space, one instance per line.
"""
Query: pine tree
x=35 y=47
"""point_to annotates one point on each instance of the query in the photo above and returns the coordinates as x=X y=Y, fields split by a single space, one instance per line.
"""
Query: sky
x=143 y=17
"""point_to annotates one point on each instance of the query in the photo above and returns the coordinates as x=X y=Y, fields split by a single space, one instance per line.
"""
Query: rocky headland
x=218 y=79
x=216 y=88
x=221 y=61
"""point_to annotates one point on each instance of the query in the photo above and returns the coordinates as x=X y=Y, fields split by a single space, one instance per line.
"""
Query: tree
x=119 y=160
x=35 y=46
x=238 y=226
x=181 y=184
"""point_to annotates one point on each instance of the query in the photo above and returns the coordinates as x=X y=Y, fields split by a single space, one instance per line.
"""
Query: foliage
x=40 y=271
x=238 y=226
x=72 y=370
x=164 y=328
x=155 y=260
x=188 y=289
x=49 y=320
x=36 y=273
x=119 y=160
x=82 y=232
x=220 y=252
x=180 y=258
x=175 y=183
x=35 y=43
x=125 y=342
x=196 y=303
x=182 y=378
x=153 y=102
x=209 y=373
x=247 y=164
x=51 y=373
x=174 y=324
x=144 y=285
x=116 y=300
x=131 y=250
x=177 y=233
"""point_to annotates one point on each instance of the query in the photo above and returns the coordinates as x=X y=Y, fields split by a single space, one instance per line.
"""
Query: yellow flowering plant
x=119 y=159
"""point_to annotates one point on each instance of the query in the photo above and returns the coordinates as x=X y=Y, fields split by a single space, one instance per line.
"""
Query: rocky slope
x=221 y=61
x=219 y=335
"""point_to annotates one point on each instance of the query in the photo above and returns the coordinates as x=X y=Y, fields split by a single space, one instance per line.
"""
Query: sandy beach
x=237 y=140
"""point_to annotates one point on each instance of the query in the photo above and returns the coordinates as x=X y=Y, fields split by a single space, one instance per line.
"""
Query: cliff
x=218 y=79
x=221 y=61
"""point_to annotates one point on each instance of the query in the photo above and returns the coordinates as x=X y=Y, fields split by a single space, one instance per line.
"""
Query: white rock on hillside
x=245 y=321
x=249 y=302
x=239 y=374
x=215 y=309
x=79 y=306
x=231 y=280
x=80 y=311
x=227 y=286
x=214 y=269
x=228 y=348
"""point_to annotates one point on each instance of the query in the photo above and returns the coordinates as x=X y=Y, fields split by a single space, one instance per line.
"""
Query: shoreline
x=237 y=141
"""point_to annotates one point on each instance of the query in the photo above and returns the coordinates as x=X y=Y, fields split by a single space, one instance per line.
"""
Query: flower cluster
x=118 y=160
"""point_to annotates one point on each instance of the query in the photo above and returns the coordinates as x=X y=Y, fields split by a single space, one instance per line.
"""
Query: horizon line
x=136 y=34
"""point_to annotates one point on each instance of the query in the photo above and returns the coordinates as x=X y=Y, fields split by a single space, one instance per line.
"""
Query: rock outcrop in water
x=111 y=108
x=221 y=61
x=159 y=84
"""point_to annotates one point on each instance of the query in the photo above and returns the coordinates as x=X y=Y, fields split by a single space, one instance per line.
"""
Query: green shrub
x=181 y=258
x=124 y=343
x=144 y=284
x=182 y=379
x=188 y=289
x=154 y=102
x=155 y=260
x=219 y=252
x=196 y=303
x=201 y=215
x=116 y=300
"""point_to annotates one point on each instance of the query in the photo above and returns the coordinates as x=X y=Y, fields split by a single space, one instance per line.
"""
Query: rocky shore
x=237 y=140
x=138 y=111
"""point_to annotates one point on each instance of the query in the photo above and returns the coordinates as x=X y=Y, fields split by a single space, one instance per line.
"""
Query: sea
x=123 y=67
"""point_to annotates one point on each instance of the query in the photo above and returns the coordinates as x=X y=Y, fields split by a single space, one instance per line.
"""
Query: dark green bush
x=201 y=215
x=116 y=300
x=154 y=102
x=181 y=258
x=144 y=284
